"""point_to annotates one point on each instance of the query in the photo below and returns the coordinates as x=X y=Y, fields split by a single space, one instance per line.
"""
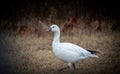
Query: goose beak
x=49 y=30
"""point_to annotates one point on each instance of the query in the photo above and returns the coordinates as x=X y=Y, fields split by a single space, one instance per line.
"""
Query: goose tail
x=93 y=53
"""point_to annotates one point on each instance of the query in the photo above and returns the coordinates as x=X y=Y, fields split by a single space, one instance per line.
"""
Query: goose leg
x=72 y=65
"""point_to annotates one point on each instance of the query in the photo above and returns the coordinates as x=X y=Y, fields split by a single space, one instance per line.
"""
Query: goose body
x=68 y=52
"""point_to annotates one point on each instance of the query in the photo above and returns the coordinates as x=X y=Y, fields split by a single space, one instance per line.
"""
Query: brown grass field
x=30 y=54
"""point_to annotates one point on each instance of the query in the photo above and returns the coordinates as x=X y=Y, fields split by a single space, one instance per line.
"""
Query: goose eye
x=53 y=27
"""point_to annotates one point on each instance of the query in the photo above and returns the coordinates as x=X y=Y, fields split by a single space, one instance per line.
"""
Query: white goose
x=68 y=52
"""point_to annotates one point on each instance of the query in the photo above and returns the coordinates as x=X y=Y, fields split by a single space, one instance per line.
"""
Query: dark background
x=107 y=8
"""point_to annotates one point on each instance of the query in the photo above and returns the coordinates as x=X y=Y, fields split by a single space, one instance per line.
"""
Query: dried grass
x=33 y=55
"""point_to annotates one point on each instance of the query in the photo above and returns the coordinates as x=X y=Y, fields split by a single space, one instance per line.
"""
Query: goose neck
x=56 y=37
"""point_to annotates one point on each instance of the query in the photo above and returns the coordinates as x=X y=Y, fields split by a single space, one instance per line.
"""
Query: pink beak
x=49 y=30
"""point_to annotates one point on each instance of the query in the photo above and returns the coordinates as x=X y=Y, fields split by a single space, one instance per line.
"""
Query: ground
x=30 y=54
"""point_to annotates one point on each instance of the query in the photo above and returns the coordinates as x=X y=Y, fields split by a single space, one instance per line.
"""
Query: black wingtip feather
x=93 y=52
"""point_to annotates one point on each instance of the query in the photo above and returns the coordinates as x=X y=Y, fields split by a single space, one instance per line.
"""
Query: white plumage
x=68 y=52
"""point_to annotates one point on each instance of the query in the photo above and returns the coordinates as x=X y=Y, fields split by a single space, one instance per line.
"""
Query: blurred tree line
x=105 y=11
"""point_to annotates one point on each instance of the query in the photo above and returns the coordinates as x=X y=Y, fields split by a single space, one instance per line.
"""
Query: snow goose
x=68 y=52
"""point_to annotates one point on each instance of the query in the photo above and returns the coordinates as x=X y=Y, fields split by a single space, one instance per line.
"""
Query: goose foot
x=63 y=68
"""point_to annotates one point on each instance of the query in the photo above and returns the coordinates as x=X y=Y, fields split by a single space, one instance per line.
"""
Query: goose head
x=54 y=28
